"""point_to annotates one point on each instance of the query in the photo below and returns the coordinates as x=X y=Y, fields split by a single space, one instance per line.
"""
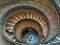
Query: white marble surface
x=3 y=41
x=59 y=5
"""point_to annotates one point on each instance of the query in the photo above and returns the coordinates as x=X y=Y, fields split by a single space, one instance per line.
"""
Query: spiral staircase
x=30 y=22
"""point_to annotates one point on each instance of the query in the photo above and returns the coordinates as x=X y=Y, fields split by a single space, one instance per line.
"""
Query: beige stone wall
x=3 y=1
